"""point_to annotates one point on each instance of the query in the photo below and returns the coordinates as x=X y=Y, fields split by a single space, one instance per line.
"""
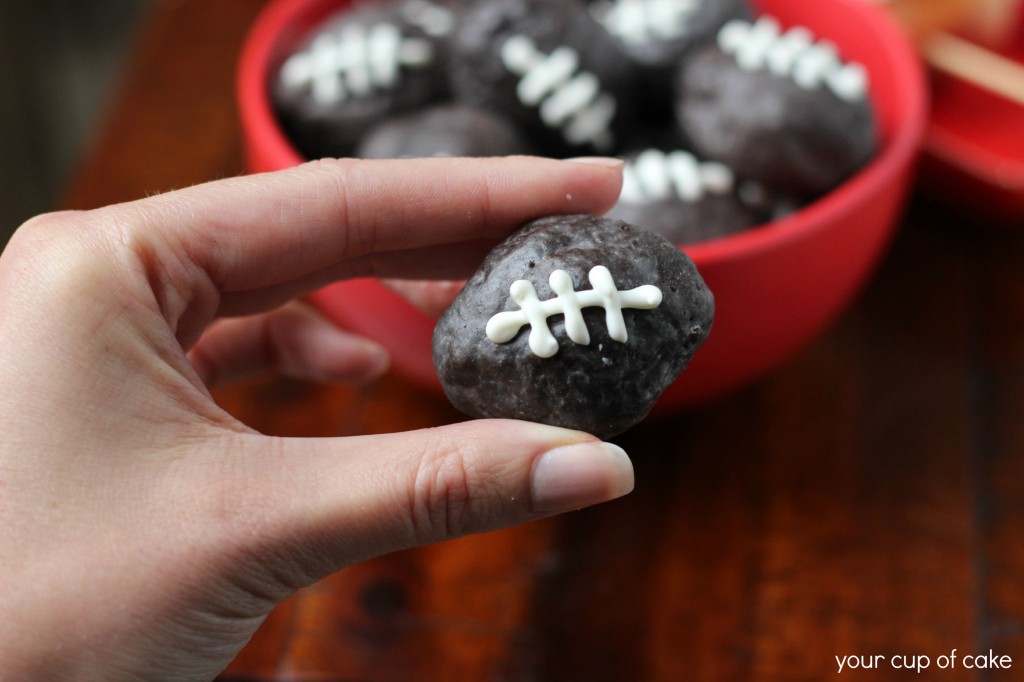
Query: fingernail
x=605 y=161
x=576 y=476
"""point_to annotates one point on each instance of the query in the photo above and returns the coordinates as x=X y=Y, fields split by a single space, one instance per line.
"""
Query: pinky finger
x=294 y=340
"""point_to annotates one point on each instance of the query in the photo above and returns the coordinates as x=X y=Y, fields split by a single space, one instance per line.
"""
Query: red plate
x=975 y=141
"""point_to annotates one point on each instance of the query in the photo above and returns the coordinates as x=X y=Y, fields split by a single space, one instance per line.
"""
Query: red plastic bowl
x=775 y=287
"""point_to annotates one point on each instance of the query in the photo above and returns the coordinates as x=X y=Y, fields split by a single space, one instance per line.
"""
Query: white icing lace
x=354 y=62
x=794 y=53
x=504 y=326
x=433 y=19
x=658 y=176
x=568 y=98
x=642 y=21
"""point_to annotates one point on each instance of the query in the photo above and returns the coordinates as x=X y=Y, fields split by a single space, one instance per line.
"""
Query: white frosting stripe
x=569 y=304
x=356 y=55
x=794 y=53
x=564 y=102
x=354 y=62
x=658 y=176
x=504 y=326
x=639 y=22
x=433 y=19
x=568 y=98
x=543 y=76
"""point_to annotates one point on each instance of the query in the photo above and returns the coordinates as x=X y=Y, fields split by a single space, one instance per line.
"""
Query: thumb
x=314 y=506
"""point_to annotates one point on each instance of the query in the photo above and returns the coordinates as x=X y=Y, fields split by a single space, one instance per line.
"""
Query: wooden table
x=865 y=498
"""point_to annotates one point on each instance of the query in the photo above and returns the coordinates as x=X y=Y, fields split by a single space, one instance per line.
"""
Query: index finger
x=259 y=231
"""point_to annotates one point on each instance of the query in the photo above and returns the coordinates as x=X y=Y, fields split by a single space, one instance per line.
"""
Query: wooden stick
x=977 y=65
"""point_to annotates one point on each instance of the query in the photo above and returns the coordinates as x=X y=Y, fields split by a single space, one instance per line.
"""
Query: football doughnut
x=366 y=63
x=778 y=107
x=575 y=321
x=549 y=65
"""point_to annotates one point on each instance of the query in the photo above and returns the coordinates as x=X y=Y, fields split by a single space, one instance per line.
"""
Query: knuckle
x=48 y=222
x=442 y=501
x=335 y=179
x=45 y=232
x=60 y=250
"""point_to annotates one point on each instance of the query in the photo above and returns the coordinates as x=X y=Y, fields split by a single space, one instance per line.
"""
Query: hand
x=146 y=533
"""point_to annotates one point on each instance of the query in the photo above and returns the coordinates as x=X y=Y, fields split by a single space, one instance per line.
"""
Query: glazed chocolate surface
x=603 y=387
x=682 y=198
x=689 y=222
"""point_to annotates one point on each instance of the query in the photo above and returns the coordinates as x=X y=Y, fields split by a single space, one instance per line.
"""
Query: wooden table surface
x=866 y=498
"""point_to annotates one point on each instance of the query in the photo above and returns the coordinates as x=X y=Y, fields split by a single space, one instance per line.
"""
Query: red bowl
x=775 y=287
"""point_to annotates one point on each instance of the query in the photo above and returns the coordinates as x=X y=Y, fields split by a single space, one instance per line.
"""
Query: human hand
x=144 y=532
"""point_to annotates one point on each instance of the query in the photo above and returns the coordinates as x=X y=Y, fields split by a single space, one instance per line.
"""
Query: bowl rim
x=904 y=141
x=254 y=105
